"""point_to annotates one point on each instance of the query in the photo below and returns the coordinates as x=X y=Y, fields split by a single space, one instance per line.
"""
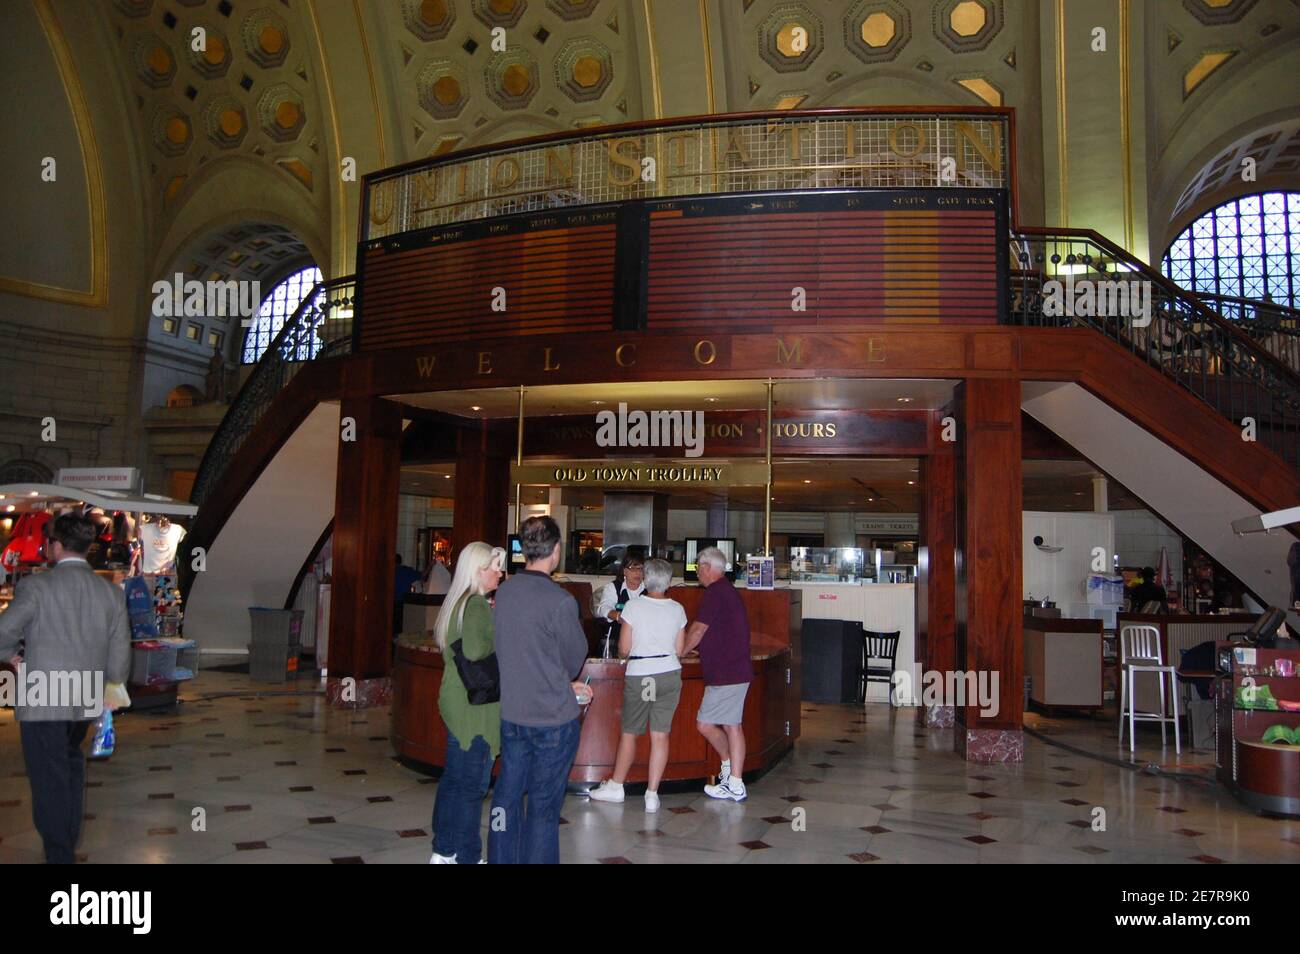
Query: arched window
x=1247 y=248
x=278 y=306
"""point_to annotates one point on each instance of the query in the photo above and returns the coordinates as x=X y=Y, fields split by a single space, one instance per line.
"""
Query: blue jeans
x=458 y=806
x=535 y=761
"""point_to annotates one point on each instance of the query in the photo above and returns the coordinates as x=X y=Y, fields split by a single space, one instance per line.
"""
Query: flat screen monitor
x=695 y=544
x=516 y=551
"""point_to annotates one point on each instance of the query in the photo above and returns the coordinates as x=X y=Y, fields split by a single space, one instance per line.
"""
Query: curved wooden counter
x=771 y=708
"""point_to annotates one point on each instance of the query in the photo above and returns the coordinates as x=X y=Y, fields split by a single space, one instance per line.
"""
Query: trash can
x=276 y=640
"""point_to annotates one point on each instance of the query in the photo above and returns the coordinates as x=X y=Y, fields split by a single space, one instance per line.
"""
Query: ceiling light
x=911 y=482
x=475 y=407
x=807 y=481
x=597 y=402
x=905 y=400
x=11 y=508
x=34 y=494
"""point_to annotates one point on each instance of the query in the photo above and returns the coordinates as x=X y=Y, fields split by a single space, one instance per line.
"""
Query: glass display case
x=1257 y=737
x=830 y=565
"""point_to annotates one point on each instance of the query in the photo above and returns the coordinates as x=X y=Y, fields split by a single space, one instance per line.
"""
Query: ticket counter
x=771 y=719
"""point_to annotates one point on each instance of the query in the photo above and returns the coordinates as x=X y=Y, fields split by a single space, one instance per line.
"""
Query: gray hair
x=714 y=557
x=658 y=574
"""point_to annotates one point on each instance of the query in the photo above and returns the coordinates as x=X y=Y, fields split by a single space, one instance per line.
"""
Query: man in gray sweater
x=540 y=648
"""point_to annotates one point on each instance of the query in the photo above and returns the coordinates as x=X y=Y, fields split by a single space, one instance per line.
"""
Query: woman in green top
x=473 y=731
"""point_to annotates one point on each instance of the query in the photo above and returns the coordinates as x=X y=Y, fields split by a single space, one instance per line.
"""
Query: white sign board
x=99 y=478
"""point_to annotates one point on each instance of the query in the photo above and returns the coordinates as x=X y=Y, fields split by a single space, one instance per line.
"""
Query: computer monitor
x=695 y=544
x=516 y=551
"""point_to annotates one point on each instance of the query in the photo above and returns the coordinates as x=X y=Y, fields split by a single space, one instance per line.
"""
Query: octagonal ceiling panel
x=967 y=25
x=791 y=37
x=876 y=30
x=429 y=19
x=584 y=68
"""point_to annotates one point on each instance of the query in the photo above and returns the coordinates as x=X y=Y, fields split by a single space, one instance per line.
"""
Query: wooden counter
x=771 y=719
x=1063 y=660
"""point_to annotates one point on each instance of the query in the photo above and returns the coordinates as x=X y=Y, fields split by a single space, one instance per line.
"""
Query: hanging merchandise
x=159 y=540
x=27 y=542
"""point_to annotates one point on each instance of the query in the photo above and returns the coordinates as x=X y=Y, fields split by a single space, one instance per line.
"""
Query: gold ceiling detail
x=1202 y=69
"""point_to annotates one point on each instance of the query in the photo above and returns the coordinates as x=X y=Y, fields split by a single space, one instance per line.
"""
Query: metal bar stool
x=1139 y=651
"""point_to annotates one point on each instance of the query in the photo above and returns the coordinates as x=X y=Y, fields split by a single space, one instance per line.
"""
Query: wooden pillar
x=483 y=490
x=936 y=582
x=989 y=581
x=365 y=541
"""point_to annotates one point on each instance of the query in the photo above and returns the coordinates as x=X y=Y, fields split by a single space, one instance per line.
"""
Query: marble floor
x=275 y=777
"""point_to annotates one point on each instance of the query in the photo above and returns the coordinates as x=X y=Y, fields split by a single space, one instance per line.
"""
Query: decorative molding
x=97 y=296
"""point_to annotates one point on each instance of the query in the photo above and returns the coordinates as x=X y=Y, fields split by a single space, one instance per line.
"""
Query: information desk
x=771 y=720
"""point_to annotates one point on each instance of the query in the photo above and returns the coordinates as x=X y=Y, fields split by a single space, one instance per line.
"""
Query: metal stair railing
x=321 y=327
x=1178 y=335
x=1274 y=327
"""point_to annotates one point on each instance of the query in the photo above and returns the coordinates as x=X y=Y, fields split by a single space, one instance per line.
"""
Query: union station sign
x=867 y=150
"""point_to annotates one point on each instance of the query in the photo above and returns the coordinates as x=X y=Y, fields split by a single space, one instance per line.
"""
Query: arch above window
x=277 y=307
x=1246 y=248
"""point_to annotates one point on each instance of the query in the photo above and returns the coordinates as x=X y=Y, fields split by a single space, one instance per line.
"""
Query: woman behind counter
x=473 y=731
x=629 y=584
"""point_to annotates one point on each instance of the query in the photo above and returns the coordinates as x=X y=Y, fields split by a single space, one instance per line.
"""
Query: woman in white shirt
x=651 y=637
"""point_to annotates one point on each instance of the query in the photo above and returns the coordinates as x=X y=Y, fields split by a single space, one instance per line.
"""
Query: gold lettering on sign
x=485 y=362
x=562 y=168
x=786 y=355
x=425 y=365
x=426 y=191
x=897 y=149
x=967 y=137
x=875 y=350
x=702 y=347
x=736 y=142
x=546 y=362
x=379 y=214
x=618 y=355
x=677 y=148
x=506 y=162
x=794 y=132
x=628 y=162
x=830 y=429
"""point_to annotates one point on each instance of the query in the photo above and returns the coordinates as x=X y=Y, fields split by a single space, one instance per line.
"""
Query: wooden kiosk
x=771 y=708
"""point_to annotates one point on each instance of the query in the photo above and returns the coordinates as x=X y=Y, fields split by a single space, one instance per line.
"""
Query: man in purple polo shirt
x=721 y=630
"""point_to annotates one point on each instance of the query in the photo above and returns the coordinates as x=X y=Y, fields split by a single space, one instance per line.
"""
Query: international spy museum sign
x=866 y=151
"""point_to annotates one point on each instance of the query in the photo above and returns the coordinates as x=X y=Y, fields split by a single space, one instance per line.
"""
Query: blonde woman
x=473 y=731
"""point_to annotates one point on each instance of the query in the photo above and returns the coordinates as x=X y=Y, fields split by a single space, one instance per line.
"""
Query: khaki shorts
x=658 y=709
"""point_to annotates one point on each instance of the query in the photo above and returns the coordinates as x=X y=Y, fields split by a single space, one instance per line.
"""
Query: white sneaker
x=724 y=773
x=651 y=802
x=438 y=859
x=607 y=791
x=733 y=789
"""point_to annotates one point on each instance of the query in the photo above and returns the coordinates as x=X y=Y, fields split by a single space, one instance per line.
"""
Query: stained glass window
x=279 y=305
x=1246 y=248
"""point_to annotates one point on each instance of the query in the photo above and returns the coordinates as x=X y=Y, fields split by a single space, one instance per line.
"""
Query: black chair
x=877 y=646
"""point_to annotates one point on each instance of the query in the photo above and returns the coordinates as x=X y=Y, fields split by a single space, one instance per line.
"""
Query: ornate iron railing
x=1170 y=329
x=321 y=327
x=1275 y=328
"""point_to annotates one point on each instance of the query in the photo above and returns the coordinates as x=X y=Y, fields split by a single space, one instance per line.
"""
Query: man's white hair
x=713 y=557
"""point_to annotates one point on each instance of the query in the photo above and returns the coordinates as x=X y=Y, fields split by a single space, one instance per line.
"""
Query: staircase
x=1243 y=372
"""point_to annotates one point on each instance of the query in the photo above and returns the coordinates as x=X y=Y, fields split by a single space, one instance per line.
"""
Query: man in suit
x=75 y=628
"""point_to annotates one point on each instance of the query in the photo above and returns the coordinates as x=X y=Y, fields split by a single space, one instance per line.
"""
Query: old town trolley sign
x=643 y=474
x=959 y=148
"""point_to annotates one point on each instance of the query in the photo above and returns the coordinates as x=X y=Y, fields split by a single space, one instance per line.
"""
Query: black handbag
x=481 y=677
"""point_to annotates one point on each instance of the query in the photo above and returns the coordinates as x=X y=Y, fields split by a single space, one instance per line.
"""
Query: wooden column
x=936 y=582
x=365 y=541
x=483 y=489
x=989 y=582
